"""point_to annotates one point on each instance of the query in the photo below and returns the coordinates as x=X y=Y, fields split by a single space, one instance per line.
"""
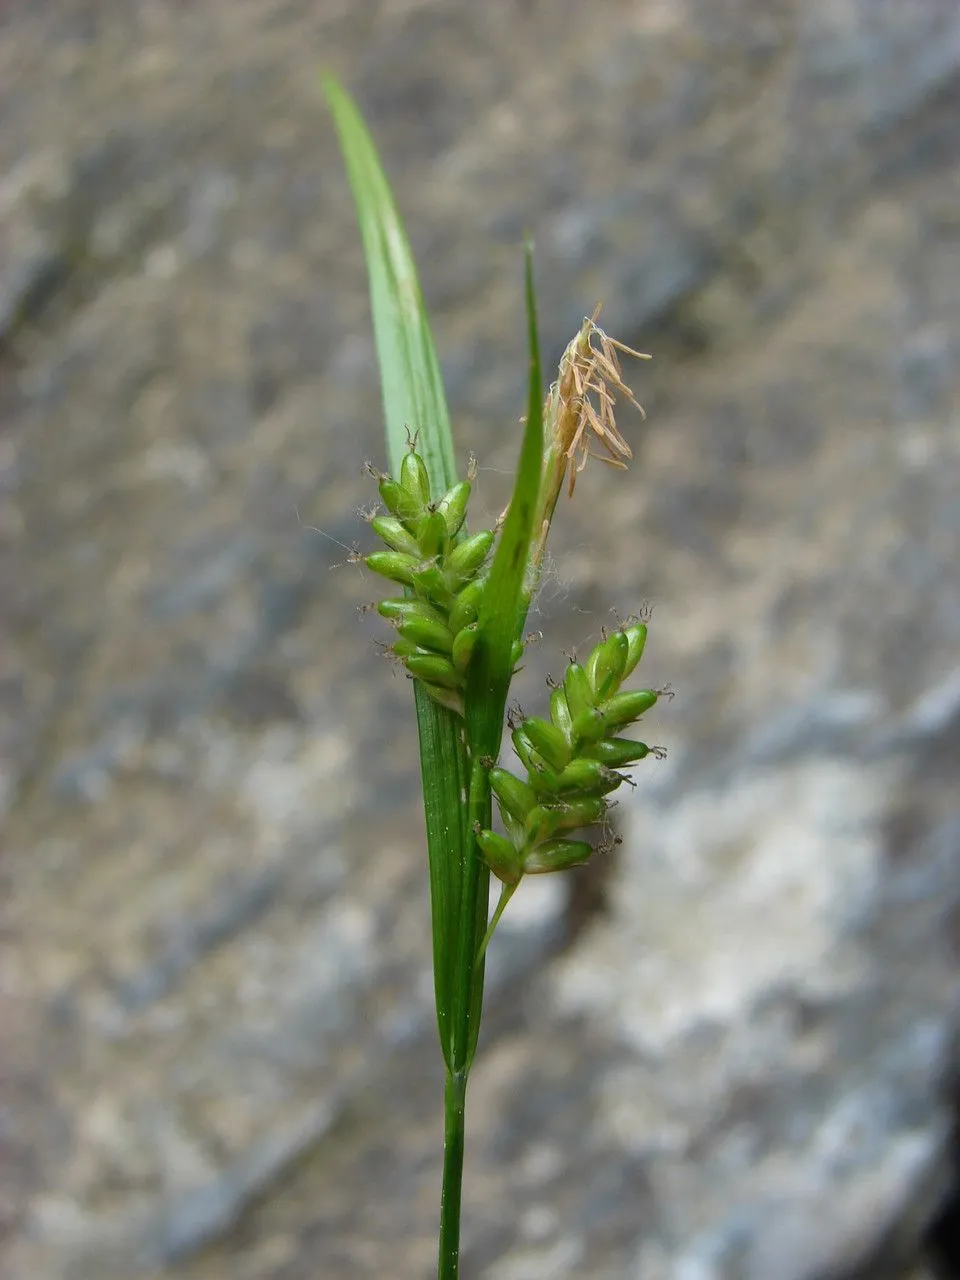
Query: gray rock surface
x=721 y=1054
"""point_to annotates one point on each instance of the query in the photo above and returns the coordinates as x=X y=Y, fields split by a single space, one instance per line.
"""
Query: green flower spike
x=572 y=764
x=441 y=565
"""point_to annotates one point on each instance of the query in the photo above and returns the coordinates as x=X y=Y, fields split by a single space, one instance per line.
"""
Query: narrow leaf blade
x=414 y=402
x=413 y=395
x=502 y=617
x=503 y=611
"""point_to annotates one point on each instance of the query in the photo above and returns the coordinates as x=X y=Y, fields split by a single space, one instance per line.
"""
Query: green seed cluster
x=440 y=565
x=572 y=762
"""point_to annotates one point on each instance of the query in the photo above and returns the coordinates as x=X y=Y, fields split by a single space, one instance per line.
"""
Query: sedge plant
x=457 y=600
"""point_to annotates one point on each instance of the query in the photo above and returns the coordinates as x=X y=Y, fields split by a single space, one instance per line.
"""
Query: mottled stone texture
x=725 y=1052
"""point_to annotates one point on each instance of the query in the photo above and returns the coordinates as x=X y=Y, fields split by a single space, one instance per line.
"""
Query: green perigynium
x=430 y=553
x=571 y=762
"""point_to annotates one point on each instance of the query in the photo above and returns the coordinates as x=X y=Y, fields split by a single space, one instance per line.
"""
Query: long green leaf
x=414 y=401
x=502 y=617
x=413 y=395
x=503 y=611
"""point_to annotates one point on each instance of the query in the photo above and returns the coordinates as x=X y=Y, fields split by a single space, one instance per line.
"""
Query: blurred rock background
x=725 y=1053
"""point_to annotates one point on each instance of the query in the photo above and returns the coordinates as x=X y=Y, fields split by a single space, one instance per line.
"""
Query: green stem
x=454 y=1107
x=506 y=893
x=468 y=981
x=467 y=1002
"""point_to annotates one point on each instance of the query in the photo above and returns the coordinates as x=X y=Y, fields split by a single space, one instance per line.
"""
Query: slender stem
x=454 y=1108
x=467 y=999
x=506 y=893
x=468 y=981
